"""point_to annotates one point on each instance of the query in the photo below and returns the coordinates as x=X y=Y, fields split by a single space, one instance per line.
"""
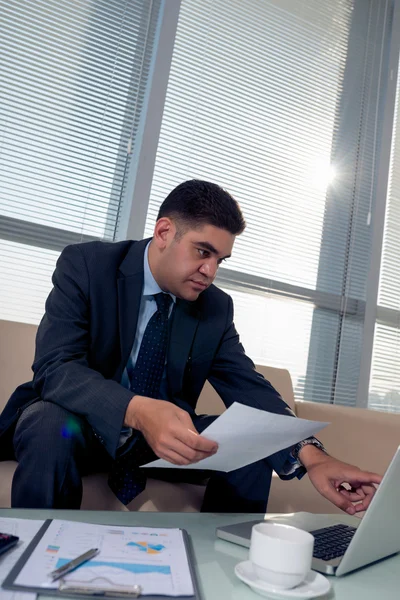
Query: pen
x=73 y=564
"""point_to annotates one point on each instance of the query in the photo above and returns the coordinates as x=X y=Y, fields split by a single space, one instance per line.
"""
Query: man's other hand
x=168 y=430
x=328 y=475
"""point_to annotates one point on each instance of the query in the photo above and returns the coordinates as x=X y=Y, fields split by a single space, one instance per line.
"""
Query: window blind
x=384 y=391
x=257 y=103
x=73 y=80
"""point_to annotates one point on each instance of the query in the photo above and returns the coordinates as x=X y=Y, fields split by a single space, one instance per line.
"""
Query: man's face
x=189 y=263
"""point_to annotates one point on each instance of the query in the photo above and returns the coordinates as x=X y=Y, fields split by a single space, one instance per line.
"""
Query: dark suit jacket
x=86 y=335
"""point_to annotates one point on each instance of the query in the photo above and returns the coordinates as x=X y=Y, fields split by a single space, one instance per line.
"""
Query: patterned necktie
x=125 y=478
x=145 y=377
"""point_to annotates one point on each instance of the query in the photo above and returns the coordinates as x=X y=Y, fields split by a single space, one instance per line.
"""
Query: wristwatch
x=306 y=442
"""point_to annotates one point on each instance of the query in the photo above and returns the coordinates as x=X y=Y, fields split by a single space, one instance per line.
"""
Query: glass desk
x=215 y=559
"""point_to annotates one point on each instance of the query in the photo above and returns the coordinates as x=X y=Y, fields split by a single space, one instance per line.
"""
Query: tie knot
x=163 y=303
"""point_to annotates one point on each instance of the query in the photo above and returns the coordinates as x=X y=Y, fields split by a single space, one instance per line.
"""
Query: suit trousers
x=55 y=449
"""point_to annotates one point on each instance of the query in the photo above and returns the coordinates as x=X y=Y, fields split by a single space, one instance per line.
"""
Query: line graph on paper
x=110 y=574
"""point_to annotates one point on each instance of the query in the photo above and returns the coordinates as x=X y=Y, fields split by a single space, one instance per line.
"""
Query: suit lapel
x=183 y=328
x=130 y=285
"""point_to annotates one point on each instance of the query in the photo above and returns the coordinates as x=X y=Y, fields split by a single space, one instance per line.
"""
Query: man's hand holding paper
x=169 y=431
x=245 y=435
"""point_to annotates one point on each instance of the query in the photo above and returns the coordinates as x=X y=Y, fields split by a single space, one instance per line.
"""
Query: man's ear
x=164 y=232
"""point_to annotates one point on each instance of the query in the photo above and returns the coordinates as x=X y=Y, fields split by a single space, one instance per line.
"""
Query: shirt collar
x=150 y=286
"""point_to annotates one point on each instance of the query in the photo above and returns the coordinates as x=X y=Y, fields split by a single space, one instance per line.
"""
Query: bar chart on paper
x=155 y=559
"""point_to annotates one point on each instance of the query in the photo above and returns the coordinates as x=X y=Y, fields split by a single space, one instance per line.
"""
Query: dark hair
x=195 y=203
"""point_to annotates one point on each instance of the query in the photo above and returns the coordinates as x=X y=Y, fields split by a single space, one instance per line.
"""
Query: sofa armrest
x=17 y=349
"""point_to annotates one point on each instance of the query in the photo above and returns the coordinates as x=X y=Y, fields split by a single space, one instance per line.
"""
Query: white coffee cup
x=281 y=554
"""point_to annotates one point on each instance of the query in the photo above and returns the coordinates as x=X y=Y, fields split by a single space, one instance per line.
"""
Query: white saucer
x=313 y=585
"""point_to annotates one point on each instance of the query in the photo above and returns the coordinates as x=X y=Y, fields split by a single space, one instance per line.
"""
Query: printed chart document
x=153 y=558
x=25 y=529
x=245 y=435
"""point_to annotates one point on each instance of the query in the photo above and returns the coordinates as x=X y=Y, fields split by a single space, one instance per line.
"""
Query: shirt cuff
x=293 y=467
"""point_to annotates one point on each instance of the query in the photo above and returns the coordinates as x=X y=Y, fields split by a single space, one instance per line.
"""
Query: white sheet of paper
x=25 y=529
x=154 y=558
x=245 y=435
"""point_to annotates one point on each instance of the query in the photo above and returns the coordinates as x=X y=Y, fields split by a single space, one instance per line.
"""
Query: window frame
x=142 y=154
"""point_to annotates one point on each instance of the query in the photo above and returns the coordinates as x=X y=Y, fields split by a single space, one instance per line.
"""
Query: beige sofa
x=365 y=438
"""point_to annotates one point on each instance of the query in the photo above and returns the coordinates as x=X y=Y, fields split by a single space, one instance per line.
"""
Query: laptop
x=340 y=548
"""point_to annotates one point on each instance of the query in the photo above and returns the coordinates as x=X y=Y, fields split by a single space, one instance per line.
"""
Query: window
x=75 y=74
x=277 y=102
x=384 y=392
x=282 y=102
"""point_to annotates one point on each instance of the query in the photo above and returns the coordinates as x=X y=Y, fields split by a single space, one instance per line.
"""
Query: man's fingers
x=337 y=498
x=183 y=443
x=178 y=453
x=369 y=491
x=359 y=491
x=362 y=491
x=188 y=454
x=363 y=478
x=352 y=496
x=173 y=457
x=197 y=442
x=190 y=436
x=360 y=496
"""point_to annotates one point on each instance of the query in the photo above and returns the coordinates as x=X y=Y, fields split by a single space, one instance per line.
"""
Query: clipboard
x=82 y=593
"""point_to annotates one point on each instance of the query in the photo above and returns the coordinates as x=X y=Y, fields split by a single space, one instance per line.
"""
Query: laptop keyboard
x=332 y=542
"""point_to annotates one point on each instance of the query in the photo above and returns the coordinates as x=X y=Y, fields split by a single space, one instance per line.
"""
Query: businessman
x=131 y=332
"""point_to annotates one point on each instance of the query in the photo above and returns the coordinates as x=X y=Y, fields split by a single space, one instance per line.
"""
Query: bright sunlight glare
x=322 y=175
